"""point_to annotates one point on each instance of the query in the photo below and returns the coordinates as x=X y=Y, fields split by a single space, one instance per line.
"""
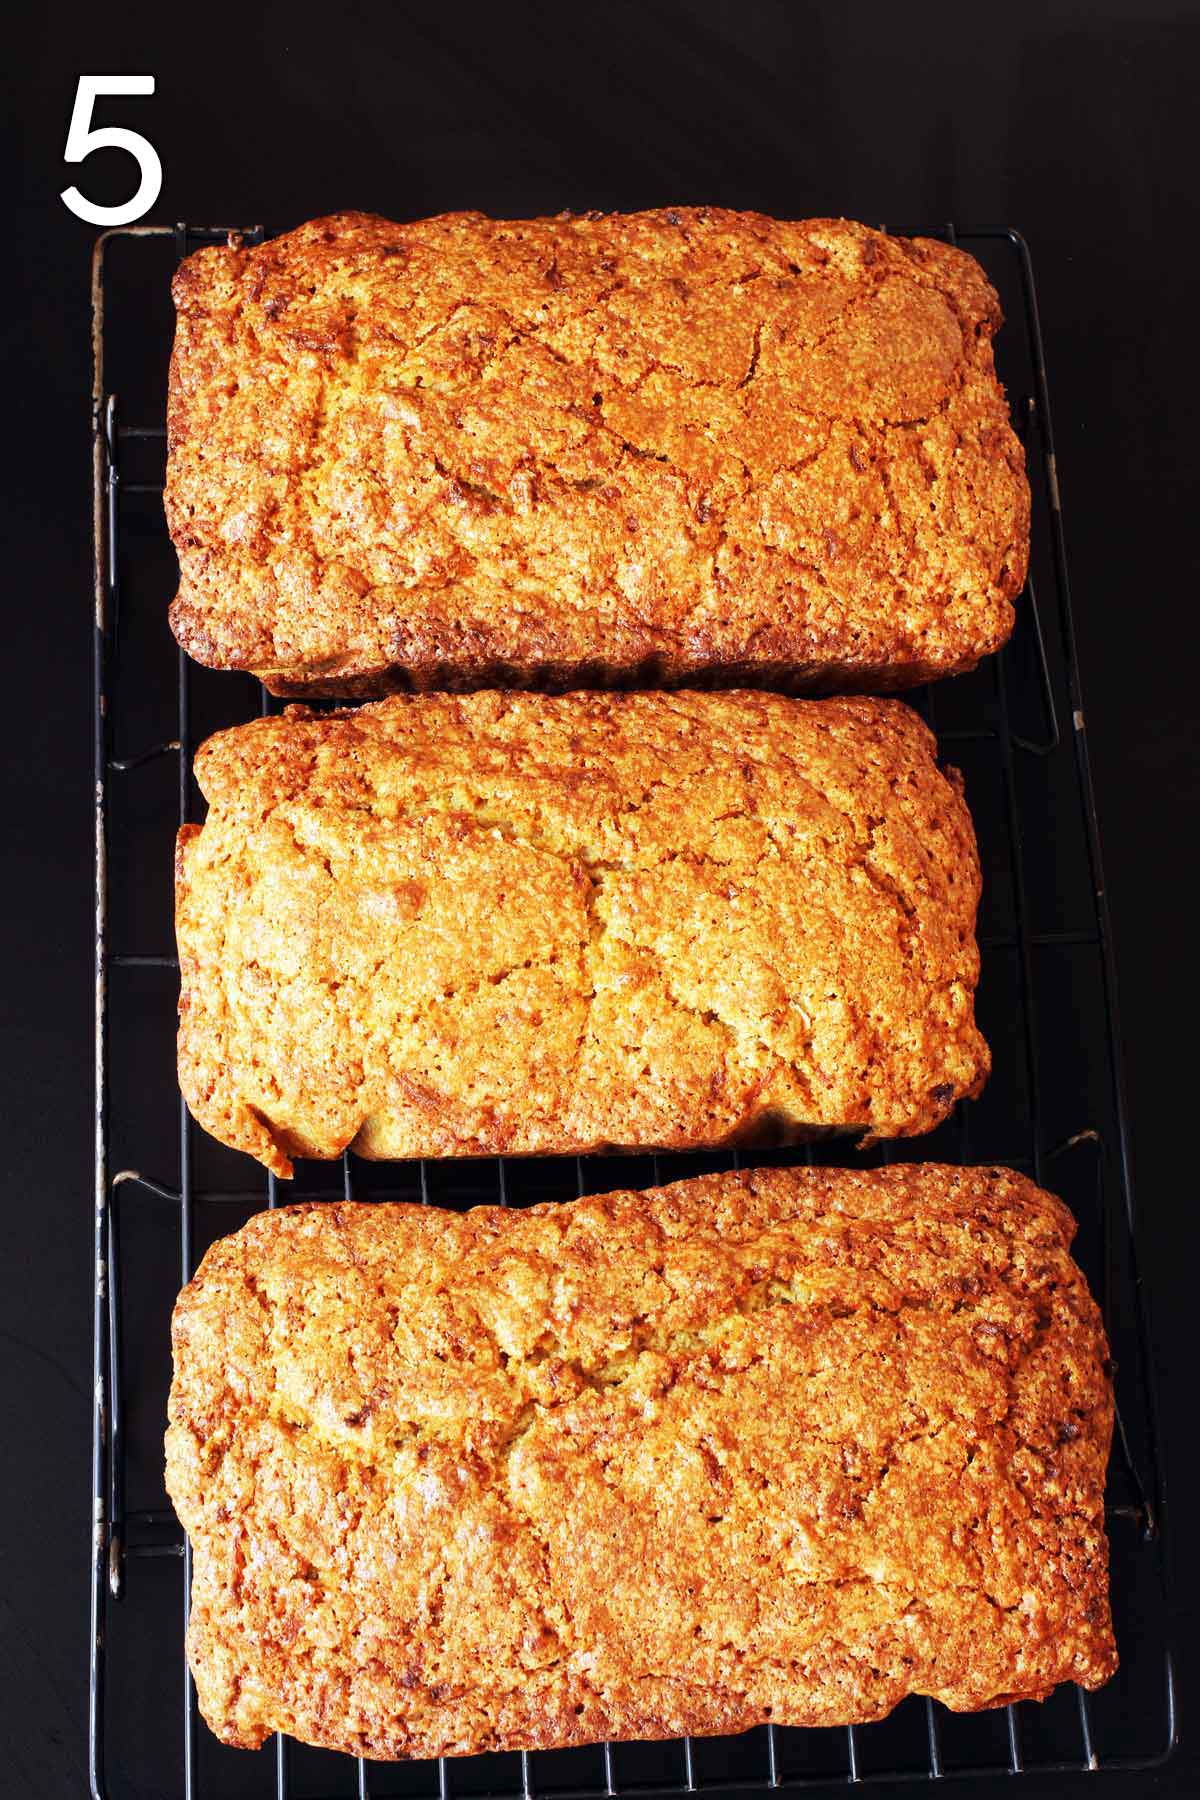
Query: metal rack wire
x=1054 y=1108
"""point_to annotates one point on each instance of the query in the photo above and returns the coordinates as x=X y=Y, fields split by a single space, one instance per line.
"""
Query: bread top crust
x=782 y=1444
x=665 y=444
x=511 y=923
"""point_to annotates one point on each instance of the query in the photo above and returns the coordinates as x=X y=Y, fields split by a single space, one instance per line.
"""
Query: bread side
x=786 y=1445
x=670 y=446
x=511 y=923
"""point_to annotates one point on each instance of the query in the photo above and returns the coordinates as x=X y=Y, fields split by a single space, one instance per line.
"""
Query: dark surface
x=1074 y=122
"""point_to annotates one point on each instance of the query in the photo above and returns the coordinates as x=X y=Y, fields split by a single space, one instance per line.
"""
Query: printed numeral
x=82 y=139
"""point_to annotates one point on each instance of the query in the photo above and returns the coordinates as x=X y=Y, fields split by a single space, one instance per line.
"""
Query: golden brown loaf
x=459 y=925
x=669 y=445
x=788 y=1445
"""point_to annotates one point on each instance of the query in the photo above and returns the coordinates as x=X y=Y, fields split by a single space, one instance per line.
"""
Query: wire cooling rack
x=1054 y=1107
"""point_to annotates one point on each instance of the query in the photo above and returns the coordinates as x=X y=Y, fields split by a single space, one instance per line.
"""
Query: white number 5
x=82 y=140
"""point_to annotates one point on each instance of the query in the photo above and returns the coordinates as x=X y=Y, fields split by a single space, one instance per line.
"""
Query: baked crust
x=686 y=445
x=514 y=923
x=785 y=1444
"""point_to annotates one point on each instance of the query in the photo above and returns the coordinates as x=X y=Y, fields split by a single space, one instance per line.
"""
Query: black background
x=1076 y=123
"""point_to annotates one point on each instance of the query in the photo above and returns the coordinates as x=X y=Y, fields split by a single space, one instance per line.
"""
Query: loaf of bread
x=786 y=1445
x=452 y=925
x=673 y=446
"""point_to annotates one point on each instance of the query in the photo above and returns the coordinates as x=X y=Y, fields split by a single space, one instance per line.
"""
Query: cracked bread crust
x=513 y=923
x=686 y=445
x=786 y=1444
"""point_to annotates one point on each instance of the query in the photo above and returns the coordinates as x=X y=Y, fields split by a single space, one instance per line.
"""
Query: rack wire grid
x=1054 y=1107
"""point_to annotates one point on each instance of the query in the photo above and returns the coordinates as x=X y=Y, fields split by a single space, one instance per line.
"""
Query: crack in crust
x=784 y=1444
x=518 y=924
x=712 y=446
